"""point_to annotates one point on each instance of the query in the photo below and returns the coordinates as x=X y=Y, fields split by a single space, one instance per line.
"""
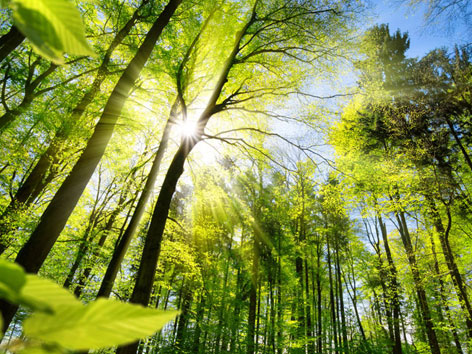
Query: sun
x=187 y=128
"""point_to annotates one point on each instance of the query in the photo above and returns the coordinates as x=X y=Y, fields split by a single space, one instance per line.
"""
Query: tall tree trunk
x=183 y=317
x=308 y=312
x=301 y=334
x=334 y=324
x=152 y=246
x=251 y=322
x=421 y=293
x=393 y=288
x=301 y=301
x=53 y=220
x=443 y=302
x=105 y=232
x=224 y=295
x=237 y=310
x=10 y=41
x=271 y=297
x=459 y=142
x=341 y=302
x=318 y=291
x=258 y=315
x=279 y=298
x=198 y=320
x=451 y=264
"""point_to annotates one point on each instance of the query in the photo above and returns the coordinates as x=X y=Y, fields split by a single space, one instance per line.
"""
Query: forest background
x=271 y=176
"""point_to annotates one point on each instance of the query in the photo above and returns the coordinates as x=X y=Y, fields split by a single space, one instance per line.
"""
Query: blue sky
x=423 y=38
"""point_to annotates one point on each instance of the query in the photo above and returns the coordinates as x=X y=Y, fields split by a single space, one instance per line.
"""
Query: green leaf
x=52 y=26
x=101 y=324
x=42 y=349
x=45 y=295
x=12 y=279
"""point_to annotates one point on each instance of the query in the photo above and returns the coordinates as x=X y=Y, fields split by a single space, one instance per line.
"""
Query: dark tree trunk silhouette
x=10 y=41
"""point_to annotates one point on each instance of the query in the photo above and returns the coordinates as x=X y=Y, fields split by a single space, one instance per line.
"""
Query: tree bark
x=251 y=322
x=443 y=302
x=393 y=287
x=331 y=298
x=341 y=301
x=318 y=292
x=451 y=264
x=459 y=142
x=10 y=41
x=183 y=318
x=421 y=293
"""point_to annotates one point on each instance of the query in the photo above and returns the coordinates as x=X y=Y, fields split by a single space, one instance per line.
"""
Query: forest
x=233 y=176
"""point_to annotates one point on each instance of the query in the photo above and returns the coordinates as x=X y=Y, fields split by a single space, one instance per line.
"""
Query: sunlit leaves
x=61 y=321
x=100 y=324
x=12 y=280
x=53 y=27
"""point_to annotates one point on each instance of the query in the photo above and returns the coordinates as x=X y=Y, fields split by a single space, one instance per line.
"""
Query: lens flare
x=188 y=128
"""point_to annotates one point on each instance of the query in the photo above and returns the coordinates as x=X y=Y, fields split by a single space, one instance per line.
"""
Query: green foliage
x=102 y=323
x=52 y=27
x=60 y=321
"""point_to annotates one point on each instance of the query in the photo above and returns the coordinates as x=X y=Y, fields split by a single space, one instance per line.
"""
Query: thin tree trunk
x=459 y=143
x=272 y=310
x=237 y=309
x=308 y=312
x=331 y=299
x=184 y=317
x=318 y=291
x=451 y=264
x=341 y=302
x=198 y=320
x=301 y=304
x=423 y=303
x=443 y=303
x=279 y=297
x=224 y=295
x=258 y=316
x=393 y=288
x=251 y=323
x=105 y=232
